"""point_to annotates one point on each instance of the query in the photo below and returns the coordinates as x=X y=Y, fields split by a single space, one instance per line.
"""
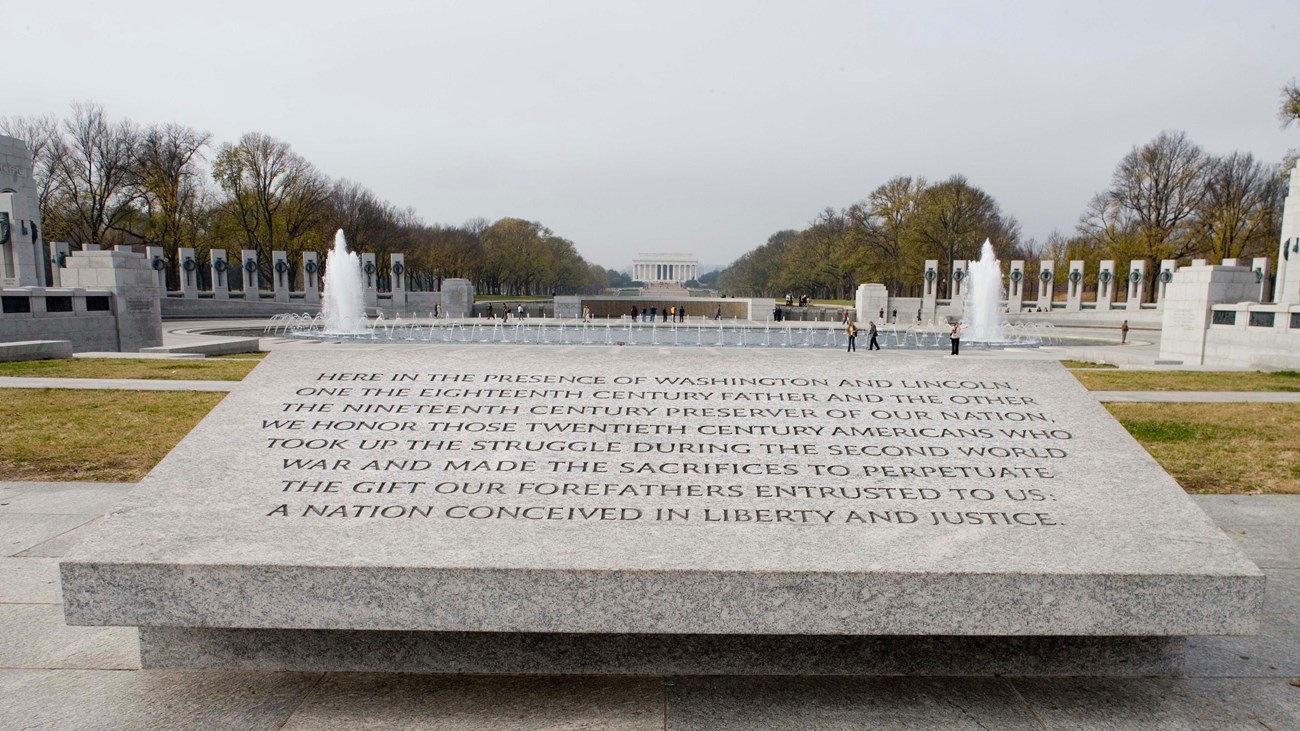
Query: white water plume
x=342 y=303
x=983 y=320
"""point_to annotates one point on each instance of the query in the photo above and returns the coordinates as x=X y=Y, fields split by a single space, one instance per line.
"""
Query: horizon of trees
x=1167 y=199
x=113 y=182
x=116 y=182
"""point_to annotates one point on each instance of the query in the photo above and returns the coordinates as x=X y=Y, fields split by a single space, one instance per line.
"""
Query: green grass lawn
x=198 y=369
x=1121 y=380
x=1220 y=448
x=56 y=434
x=1073 y=364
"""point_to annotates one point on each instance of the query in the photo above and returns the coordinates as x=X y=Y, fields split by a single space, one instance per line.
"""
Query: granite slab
x=657 y=655
x=645 y=490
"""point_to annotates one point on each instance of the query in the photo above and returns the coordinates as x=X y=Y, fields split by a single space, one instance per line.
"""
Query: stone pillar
x=1259 y=265
x=188 y=273
x=58 y=260
x=22 y=254
x=957 y=288
x=1286 y=288
x=369 y=272
x=1046 y=284
x=136 y=299
x=1199 y=262
x=310 y=278
x=1164 y=277
x=153 y=256
x=1016 y=286
x=1189 y=302
x=397 y=266
x=280 y=284
x=252 y=280
x=220 y=271
x=930 y=299
x=1105 y=285
x=1228 y=263
x=91 y=247
x=457 y=297
x=1074 y=287
x=870 y=300
x=1137 y=284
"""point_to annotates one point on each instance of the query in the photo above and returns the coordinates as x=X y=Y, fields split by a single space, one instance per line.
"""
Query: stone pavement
x=125 y=384
x=57 y=677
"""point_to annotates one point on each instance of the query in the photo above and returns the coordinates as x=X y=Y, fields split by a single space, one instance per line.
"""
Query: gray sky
x=677 y=126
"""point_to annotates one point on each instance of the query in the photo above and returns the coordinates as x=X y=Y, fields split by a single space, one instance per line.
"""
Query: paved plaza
x=60 y=677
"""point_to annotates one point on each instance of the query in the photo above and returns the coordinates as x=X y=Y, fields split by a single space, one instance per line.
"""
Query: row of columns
x=1135 y=281
x=281 y=278
x=644 y=272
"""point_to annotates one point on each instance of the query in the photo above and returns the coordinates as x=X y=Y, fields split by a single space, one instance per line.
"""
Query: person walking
x=954 y=333
x=1123 y=333
x=852 y=331
x=636 y=312
x=871 y=333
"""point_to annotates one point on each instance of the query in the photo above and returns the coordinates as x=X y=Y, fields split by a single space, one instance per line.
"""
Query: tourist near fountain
x=343 y=305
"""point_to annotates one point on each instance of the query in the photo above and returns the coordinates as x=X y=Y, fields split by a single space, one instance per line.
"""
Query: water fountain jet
x=983 y=320
x=343 y=304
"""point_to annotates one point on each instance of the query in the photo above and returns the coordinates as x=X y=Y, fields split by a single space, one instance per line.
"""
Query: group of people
x=803 y=300
x=851 y=329
x=654 y=312
x=505 y=312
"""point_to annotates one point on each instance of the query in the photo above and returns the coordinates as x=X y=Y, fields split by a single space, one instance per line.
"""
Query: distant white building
x=673 y=268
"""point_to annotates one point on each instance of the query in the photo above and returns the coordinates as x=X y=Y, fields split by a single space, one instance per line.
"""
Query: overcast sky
x=701 y=127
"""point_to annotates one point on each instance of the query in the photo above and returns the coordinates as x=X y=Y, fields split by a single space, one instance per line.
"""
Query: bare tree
x=1240 y=211
x=883 y=219
x=1289 y=110
x=95 y=189
x=171 y=181
x=954 y=218
x=1150 y=208
x=275 y=197
x=44 y=140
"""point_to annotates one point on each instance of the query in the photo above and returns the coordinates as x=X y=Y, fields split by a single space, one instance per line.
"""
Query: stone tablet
x=661 y=491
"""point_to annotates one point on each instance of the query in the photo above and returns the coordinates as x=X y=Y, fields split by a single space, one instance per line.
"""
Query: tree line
x=1167 y=199
x=886 y=237
x=113 y=182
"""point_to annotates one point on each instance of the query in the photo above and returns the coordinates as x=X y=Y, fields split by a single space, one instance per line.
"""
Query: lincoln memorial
x=675 y=268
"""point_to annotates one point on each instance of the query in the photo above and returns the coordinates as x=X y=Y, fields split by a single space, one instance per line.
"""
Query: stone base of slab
x=610 y=654
x=223 y=346
x=35 y=350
